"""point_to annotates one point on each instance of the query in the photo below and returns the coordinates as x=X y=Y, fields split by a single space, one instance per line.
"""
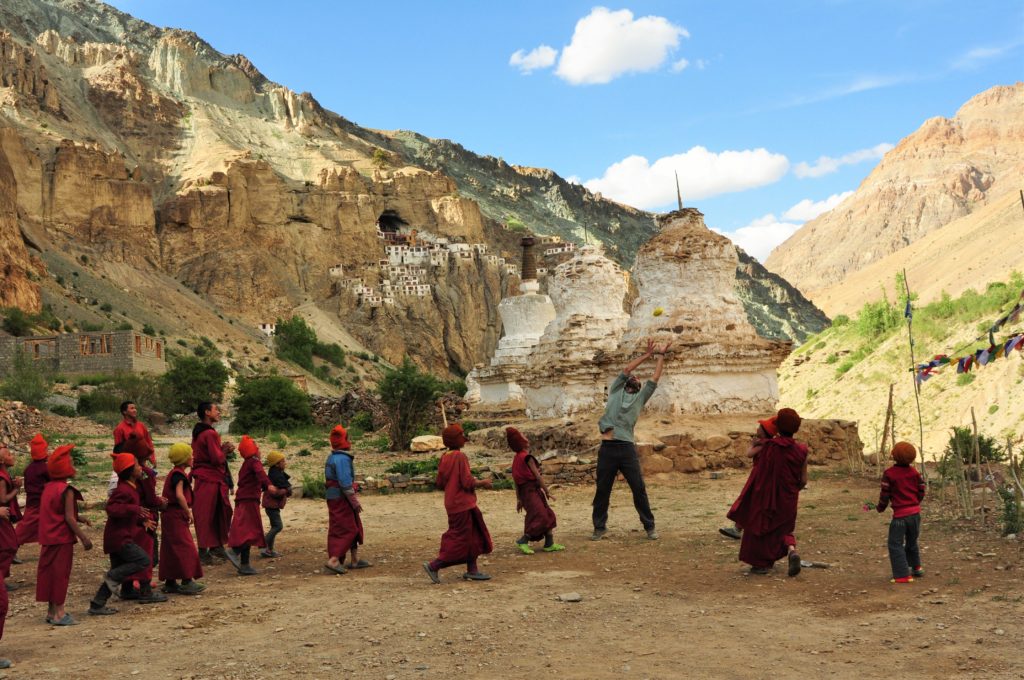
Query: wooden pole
x=962 y=489
x=885 y=431
x=977 y=468
x=1018 y=489
x=444 y=416
x=913 y=375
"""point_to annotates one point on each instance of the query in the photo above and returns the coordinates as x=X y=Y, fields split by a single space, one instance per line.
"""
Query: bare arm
x=632 y=365
x=660 y=352
x=803 y=476
x=72 y=521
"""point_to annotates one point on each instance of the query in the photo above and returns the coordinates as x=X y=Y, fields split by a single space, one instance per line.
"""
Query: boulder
x=717 y=442
x=655 y=462
x=691 y=464
x=426 y=442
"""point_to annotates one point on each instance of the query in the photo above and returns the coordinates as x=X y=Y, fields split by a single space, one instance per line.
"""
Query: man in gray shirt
x=626 y=399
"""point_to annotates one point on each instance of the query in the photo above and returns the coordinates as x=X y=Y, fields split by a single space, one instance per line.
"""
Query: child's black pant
x=129 y=559
x=274 y=515
x=903 y=551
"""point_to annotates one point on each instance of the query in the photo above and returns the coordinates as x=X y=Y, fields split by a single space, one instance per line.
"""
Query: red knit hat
x=37 y=447
x=904 y=453
x=788 y=421
x=123 y=461
x=769 y=426
x=247 y=448
x=516 y=441
x=453 y=437
x=339 y=439
x=58 y=465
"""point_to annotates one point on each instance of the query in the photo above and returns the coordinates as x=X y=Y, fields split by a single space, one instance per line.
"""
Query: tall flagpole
x=908 y=312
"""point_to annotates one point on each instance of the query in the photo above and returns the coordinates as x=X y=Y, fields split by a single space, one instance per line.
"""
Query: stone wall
x=71 y=353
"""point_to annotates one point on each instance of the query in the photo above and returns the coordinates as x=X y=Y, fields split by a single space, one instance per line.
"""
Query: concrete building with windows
x=99 y=352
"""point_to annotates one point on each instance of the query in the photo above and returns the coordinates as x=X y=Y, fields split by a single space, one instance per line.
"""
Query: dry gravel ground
x=678 y=607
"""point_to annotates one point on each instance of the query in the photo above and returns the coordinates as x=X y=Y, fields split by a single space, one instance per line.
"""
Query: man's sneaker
x=652 y=534
x=730 y=532
x=598 y=534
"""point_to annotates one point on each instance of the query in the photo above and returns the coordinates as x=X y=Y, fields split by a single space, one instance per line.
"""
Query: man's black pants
x=613 y=457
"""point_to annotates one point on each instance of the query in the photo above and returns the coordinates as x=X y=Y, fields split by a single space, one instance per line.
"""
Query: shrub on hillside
x=877 y=319
x=295 y=341
x=331 y=353
x=962 y=440
x=26 y=381
x=409 y=395
x=104 y=402
x=191 y=380
x=17 y=322
x=270 y=403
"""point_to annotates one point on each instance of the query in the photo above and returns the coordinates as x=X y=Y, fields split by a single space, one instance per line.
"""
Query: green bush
x=191 y=380
x=124 y=326
x=90 y=327
x=304 y=453
x=457 y=386
x=878 y=319
x=106 y=307
x=409 y=395
x=270 y=403
x=412 y=468
x=330 y=352
x=63 y=410
x=502 y=484
x=469 y=426
x=363 y=420
x=27 y=381
x=831 y=358
x=844 y=367
x=840 y=321
x=993 y=408
x=294 y=341
x=146 y=391
x=17 y=322
x=516 y=225
x=93 y=379
x=962 y=440
x=148 y=329
x=965 y=379
x=314 y=486
x=1013 y=519
x=78 y=457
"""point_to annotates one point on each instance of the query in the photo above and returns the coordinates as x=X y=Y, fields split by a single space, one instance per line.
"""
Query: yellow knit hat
x=179 y=453
x=273 y=458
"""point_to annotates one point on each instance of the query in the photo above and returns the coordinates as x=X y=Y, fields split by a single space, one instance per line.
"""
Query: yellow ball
x=658 y=311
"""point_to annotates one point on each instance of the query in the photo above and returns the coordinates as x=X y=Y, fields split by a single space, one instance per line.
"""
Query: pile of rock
x=569 y=470
x=329 y=411
x=18 y=423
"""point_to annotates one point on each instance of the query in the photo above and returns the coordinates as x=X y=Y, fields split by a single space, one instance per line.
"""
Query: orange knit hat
x=123 y=461
x=769 y=426
x=37 y=447
x=904 y=453
x=453 y=437
x=339 y=439
x=247 y=447
x=516 y=441
x=59 y=465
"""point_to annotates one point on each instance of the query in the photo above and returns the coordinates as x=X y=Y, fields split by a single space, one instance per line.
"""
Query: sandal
x=102 y=611
x=361 y=564
x=65 y=620
x=335 y=570
x=554 y=547
x=525 y=548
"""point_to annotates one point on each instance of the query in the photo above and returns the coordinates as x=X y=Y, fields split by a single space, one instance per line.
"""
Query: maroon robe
x=179 y=557
x=53 y=572
x=540 y=518
x=211 y=502
x=145 y=538
x=344 y=526
x=35 y=479
x=247 y=522
x=8 y=535
x=767 y=506
x=124 y=515
x=467 y=536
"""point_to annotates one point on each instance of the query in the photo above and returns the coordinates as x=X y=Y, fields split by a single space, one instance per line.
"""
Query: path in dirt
x=678 y=607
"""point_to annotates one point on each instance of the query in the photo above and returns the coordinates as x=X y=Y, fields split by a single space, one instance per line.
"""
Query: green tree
x=27 y=381
x=270 y=403
x=878 y=319
x=17 y=322
x=409 y=395
x=192 y=380
x=962 y=440
x=295 y=341
x=381 y=159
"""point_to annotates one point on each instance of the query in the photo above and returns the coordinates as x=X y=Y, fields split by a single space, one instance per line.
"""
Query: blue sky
x=741 y=98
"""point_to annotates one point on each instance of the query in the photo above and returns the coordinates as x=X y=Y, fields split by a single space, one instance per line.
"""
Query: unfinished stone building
x=77 y=353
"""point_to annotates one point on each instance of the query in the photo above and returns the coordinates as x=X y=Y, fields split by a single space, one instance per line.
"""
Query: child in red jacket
x=35 y=479
x=58 y=532
x=246 y=524
x=903 y=488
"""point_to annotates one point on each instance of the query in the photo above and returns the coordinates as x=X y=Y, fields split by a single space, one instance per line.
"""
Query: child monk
x=179 y=557
x=146 y=535
x=767 y=506
x=8 y=537
x=246 y=523
x=35 y=479
x=59 y=530
x=273 y=503
x=903 y=488
x=765 y=430
x=532 y=495
x=345 y=528
x=125 y=514
x=467 y=537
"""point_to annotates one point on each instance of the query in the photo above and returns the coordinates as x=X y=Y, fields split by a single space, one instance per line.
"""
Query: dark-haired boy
x=211 y=504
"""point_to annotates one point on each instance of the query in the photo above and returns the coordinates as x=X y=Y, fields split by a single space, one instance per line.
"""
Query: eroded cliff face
x=948 y=168
x=16 y=288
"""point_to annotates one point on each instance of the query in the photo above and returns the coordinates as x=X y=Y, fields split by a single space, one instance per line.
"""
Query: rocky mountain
x=947 y=170
x=150 y=156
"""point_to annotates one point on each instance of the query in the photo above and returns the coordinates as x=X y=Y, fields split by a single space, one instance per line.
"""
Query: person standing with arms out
x=211 y=505
x=626 y=399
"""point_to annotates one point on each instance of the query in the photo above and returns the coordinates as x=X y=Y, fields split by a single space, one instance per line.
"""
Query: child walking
x=766 y=430
x=9 y=513
x=35 y=479
x=903 y=488
x=179 y=557
x=246 y=524
x=59 y=530
x=467 y=537
x=532 y=495
x=273 y=503
x=125 y=514
x=345 y=528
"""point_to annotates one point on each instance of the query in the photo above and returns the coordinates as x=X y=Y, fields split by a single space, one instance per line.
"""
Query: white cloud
x=807 y=209
x=607 y=44
x=539 y=57
x=826 y=165
x=680 y=65
x=976 y=57
x=702 y=174
x=761 y=236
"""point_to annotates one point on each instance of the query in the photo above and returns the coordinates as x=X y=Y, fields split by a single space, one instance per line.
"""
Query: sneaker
x=918 y=572
x=794 y=563
x=434 y=576
x=151 y=598
x=525 y=548
x=554 y=547
x=170 y=589
x=101 y=611
x=269 y=553
x=731 y=532
x=476 y=576
x=191 y=588
x=652 y=534
x=902 y=579
x=598 y=534
x=247 y=570
x=760 y=571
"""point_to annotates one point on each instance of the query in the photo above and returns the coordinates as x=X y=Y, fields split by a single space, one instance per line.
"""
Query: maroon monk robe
x=344 y=526
x=467 y=536
x=247 y=522
x=144 y=538
x=8 y=535
x=53 y=572
x=179 y=557
x=135 y=439
x=540 y=518
x=35 y=479
x=211 y=503
x=766 y=509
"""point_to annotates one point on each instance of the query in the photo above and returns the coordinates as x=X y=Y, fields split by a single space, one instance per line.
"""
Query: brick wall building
x=101 y=352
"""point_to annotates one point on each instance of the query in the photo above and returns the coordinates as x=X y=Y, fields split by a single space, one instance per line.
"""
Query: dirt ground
x=678 y=607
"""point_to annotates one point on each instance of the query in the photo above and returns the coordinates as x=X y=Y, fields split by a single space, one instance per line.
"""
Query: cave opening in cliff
x=390 y=222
